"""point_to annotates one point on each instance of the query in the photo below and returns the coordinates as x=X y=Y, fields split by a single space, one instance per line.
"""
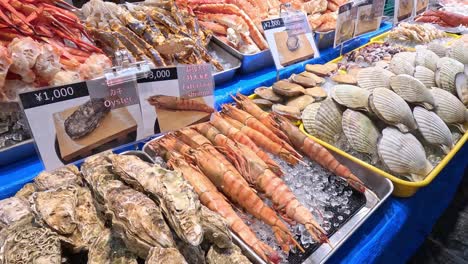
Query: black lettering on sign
x=161 y=74
x=272 y=23
x=53 y=95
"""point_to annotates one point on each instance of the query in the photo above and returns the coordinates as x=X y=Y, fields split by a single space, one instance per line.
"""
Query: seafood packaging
x=93 y=215
x=45 y=45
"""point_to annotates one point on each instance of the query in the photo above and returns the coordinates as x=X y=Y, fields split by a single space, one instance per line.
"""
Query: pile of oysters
x=397 y=111
x=117 y=209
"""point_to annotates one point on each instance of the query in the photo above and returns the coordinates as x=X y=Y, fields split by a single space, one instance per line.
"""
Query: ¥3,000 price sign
x=176 y=97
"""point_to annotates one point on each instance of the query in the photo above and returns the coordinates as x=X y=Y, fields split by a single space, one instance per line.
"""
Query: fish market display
x=411 y=109
x=415 y=33
x=370 y=54
x=444 y=18
x=65 y=213
x=161 y=35
x=41 y=42
x=86 y=118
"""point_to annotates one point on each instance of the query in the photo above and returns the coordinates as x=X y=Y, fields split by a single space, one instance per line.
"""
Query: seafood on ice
x=416 y=33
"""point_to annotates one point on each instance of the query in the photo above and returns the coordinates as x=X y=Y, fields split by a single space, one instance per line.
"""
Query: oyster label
x=115 y=96
x=175 y=97
x=345 y=23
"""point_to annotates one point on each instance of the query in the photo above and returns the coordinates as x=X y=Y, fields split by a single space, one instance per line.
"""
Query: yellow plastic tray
x=402 y=188
x=383 y=37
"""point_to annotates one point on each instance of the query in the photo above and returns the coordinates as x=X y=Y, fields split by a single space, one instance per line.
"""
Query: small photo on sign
x=403 y=10
x=421 y=6
x=367 y=20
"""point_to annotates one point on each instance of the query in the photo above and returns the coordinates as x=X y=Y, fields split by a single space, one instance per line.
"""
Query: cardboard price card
x=369 y=16
x=72 y=122
x=403 y=10
x=345 y=23
x=176 y=97
x=420 y=6
x=290 y=39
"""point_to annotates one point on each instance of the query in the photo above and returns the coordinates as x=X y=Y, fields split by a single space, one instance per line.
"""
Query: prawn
x=176 y=103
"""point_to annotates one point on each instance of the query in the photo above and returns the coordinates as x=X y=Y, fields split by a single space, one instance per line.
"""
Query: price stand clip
x=125 y=70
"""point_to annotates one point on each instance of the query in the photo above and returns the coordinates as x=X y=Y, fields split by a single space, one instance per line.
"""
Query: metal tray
x=245 y=249
x=250 y=62
x=381 y=190
x=224 y=55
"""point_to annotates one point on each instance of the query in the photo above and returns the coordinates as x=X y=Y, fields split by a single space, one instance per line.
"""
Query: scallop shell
x=461 y=84
x=408 y=56
x=459 y=51
x=433 y=129
x=301 y=102
x=288 y=89
x=291 y=112
x=425 y=75
x=360 y=132
x=403 y=154
x=426 y=58
x=351 y=96
x=392 y=109
x=323 y=120
x=447 y=69
x=412 y=90
x=437 y=48
x=449 y=108
x=401 y=65
x=374 y=77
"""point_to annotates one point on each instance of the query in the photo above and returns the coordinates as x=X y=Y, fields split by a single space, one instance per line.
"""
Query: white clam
x=433 y=128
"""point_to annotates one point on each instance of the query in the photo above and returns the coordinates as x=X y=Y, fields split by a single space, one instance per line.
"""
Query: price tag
x=404 y=10
x=176 y=97
x=290 y=39
x=345 y=23
x=369 y=16
x=69 y=124
x=420 y=6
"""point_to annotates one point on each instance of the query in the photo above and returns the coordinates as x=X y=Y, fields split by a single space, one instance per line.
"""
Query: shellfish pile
x=415 y=33
x=402 y=118
x=117 y=209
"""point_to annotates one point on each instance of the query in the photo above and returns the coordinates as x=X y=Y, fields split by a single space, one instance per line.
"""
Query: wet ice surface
x=329 y=198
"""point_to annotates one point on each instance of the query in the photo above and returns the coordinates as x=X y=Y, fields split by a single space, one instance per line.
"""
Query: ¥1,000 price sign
x=176 y=97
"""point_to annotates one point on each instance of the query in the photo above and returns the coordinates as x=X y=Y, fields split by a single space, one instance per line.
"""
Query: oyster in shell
x=392 y=109
x=317 y=79
x=447 y=69
x=86 y=118
x=412 y=90
x=25 y=192
x=425 y=75
x=68 y=175
x=449 y=108
x=301 y=102
x=291 y=112
x=374 y=77
x=108 y=248
x=287 y=89
x=90 y=226
x=302 y=80
x=433 y=129
x=426 y=58
x=459 y=51
x=160 y=255
x=24 y=243
x=135 y=217
x=215 y=229
x=360 y=132
x=403 y=154
x=323 y=120
x=226 y=256
x=169 y=189
x=12 y=210
x=268 y=94
x=192 y=254
x=461 y=84
x=401 y=65
x=351 y=96
x=322 y=70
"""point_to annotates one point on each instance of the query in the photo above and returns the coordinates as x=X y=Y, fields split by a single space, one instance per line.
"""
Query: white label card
x=345 y=23
x=404 y=10
x=176 y=97
x=369 y=16
x=290 y=39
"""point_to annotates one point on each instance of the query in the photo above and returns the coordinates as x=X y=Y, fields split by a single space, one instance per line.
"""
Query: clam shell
x=461 y=84
x=403 y=154
x=374 y=77
x=288 y=89
x=305 y=82
x=322 y=70
x=268 y=94
x=433 y=129
x=392 y=109
x=317 y=79
x=459 y=51
x=412 y=90
x=291 y=112
x=447 y=69
x=317 y=93
x=449 y=108
x=426 y=58
x=425 y=75
x=301 y=102
x=400 y=65
x=344 y=78
x=360 y=132
x=437 y=48
x=323 y=120
x=408 y=56
x=264 y=103
x=351 y=96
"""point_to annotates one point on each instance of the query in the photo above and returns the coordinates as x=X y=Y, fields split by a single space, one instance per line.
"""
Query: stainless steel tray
x=226 y=57
x=245 y=249
x=250 y=62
